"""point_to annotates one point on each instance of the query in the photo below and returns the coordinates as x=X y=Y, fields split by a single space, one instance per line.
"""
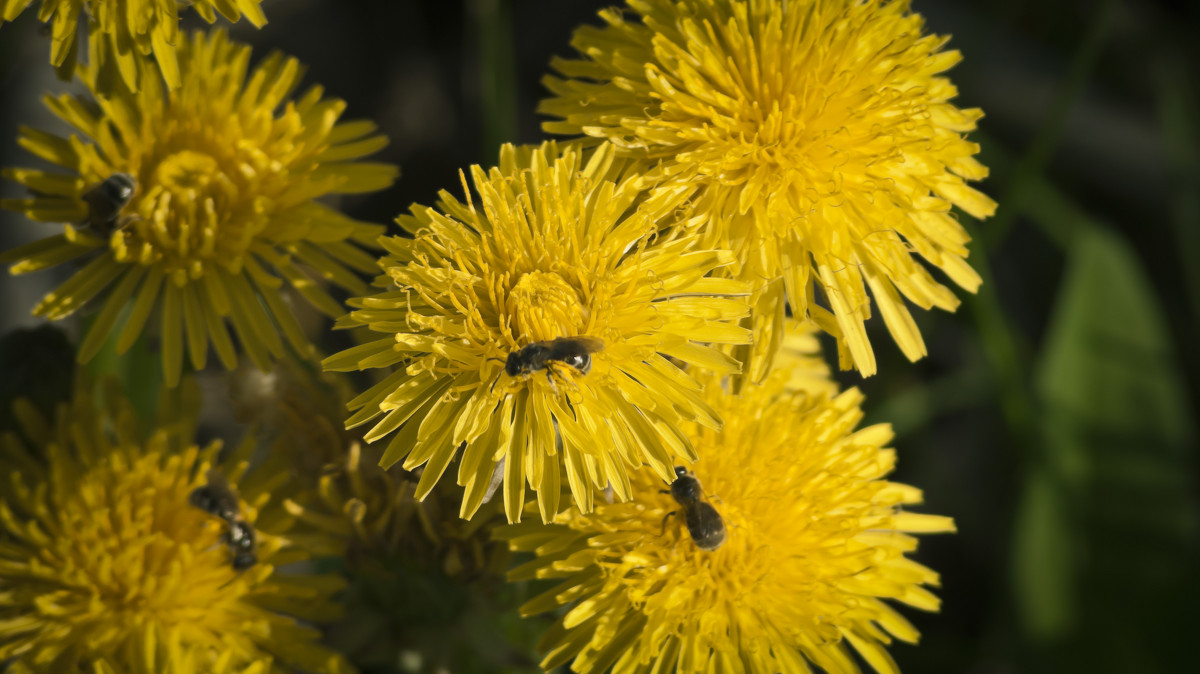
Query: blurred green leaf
x=1107 y=521
x=138 y=370
x=1044 y=558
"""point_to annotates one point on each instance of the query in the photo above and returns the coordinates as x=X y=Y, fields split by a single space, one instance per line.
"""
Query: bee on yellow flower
x=107 y=565
x=785 y=553
x=539 y=328
x=195 y=208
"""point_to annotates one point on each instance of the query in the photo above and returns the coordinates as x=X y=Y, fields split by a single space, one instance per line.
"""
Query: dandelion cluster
x=626 y=322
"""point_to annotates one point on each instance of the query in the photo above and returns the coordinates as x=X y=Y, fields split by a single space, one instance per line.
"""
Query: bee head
x=119 y=187
x=512 y=365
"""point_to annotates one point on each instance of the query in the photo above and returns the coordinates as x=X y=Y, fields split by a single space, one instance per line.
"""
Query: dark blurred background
x=1054 y=418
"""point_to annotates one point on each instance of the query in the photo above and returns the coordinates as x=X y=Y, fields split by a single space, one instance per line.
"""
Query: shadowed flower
x=122 y=32
x=824 y=140
x=106 y=566
x=226 y=170
x=555 y=248
x=425 y=585
x=341 y=489
x=814 y=548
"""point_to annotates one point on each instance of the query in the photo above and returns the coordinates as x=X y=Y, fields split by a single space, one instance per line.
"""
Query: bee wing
x=216 y=480
x=225 y=497
x=608 y=494
x=497 y=480
x=592 y=344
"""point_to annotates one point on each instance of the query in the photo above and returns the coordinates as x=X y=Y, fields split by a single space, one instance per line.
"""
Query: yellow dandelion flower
x=225 y=171
x=123 y=32
x=823 y=136
x=800 y=357
x=105 y=565
x=556 y=249
x=813 y=551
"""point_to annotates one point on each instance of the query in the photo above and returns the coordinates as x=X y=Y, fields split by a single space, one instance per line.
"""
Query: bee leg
x=664 y=522
x=553 y=386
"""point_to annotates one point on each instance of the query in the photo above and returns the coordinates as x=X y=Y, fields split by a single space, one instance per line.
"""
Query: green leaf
x=1108 y=519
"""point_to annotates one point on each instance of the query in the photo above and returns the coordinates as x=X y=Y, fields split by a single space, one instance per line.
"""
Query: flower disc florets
x=822 y=136
x=815 y=544
x=554 y=249
x=227 y=169
x=107 y=566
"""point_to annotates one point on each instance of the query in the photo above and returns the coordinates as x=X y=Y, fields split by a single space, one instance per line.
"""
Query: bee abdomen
x=705 y=525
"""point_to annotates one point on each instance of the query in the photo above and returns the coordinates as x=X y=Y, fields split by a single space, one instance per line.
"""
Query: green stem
x=1178 y=114
x=1001 y=343
x=497 y=78
x=1032 y=165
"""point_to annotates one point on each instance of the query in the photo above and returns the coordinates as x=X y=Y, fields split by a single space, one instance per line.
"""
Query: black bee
x=704 y=523
x=105 y=201
x=574 y=351
x=217 y=498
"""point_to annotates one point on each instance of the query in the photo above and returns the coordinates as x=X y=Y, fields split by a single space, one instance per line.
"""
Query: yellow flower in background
x=198 y=205
x=551 y=248
x=123 y=32
x=824 y=139
x=106 y=565
x=801 y=362
x=813 y=551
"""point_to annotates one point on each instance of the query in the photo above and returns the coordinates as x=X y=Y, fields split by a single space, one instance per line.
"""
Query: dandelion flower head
x=823 y=136
x=814 y=551
x=552 y=247
x=106 y=565
x=123 y=32
x=223 y=217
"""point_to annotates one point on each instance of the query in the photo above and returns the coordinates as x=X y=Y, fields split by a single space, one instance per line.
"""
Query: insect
x=573 y=351
x=217 y=498
x=703 y=521
x=106 y=199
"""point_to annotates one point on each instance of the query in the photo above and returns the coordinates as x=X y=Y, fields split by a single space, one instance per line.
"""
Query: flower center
x=544 y=306
x=185 y=172
x=192 y=214
x=130 y=550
